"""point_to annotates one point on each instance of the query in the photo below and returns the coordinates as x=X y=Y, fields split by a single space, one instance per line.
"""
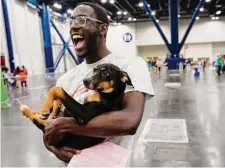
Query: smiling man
x=89 y=26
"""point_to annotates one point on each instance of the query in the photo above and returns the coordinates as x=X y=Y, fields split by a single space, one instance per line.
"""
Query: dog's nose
x=87 y=81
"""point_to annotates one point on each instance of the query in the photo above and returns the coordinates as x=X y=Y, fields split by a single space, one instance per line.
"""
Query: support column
x=201 y=3
x=174 y=27
x=149 y=11
x=47 y=38
x=66 y=44
x=8 y=35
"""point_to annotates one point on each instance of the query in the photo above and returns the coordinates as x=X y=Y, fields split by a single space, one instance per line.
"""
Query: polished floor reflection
x=199 y=101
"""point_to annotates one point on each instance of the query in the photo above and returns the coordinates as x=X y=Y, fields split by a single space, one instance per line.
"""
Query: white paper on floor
x=172 y=84
x=164 y=130
x=174 y=74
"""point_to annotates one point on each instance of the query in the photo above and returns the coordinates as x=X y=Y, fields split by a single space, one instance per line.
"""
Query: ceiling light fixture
x=208 y=0
x=103 y=1
x=115 y=23
x=119 y=13
x=112 y=1
x=57 y=5
x=218 y=12
x=148 y=5
x=130 y=18
x=201 y=9
x=69 y=11
x=140 y=4
x=157 y=20
x=197 y=18
x=217 y=18
x=153 y=13
x=178 y=15
x=125 y=13
x=109 y=17
x=213 y=18
x=134 y=19
x=119 y=24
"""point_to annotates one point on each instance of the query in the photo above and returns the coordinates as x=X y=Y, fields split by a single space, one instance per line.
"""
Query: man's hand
x=56 y=128
x=64 y=153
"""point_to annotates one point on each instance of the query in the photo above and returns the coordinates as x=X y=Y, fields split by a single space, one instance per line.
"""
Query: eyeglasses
x=82 y=20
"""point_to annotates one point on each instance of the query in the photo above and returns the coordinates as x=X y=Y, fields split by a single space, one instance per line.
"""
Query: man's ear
x=103 y=29
x=125 y=78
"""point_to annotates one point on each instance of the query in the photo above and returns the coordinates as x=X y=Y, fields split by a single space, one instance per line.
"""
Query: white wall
x=116 y=43
x=66 y=62
x=147 y=34
x=195 y=50
x=153 y=51
x=26 y=37
x=218 y=48
x=3 y=49
x=199 y=50
x=204 y=30
x=206 y=38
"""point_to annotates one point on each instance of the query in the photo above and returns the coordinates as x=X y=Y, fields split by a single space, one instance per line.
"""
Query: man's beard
x=92 y=43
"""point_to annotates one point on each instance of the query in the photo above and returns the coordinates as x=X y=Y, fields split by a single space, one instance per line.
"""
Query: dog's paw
x=23 y=108
x=45 y=112
x=43 y=117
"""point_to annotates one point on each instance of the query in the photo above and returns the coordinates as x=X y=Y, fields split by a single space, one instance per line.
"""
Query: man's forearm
x=115 y=123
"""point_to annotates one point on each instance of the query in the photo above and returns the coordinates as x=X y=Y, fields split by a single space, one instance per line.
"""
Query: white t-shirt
x=72 y=81
x=159 y=63
x=136 y=67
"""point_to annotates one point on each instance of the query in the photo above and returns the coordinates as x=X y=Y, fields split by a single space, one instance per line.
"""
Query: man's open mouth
x=78 y=41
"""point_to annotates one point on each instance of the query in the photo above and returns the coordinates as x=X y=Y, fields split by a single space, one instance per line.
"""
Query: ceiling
x=186 y=8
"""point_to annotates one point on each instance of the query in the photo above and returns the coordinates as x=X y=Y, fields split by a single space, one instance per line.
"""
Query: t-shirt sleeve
x=140 y=77
x=59 y=83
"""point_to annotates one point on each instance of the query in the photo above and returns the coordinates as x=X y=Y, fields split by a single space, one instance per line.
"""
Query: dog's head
x=107 y=78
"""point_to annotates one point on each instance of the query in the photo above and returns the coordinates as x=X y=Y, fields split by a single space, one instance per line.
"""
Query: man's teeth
x=77 y=37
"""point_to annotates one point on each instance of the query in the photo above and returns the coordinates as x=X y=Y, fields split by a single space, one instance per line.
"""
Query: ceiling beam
x=159 y=3
x=217 y=2
x=189 y=3
x=128 y=3
x=110 y=13
x=120 y=6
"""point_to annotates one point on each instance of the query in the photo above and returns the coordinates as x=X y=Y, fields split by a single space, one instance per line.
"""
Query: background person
x=219 y=65
x=24 y=70
x=16 y=75
x=159 y=64
x=23 y=78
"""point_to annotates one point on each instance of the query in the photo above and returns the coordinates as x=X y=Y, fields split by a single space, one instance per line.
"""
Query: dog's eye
x=105 y=73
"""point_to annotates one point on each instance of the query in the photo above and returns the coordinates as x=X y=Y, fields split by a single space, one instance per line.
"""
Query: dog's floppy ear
x=125 y=78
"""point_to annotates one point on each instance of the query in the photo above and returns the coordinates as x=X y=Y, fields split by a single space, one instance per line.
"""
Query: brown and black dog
x=108 y=83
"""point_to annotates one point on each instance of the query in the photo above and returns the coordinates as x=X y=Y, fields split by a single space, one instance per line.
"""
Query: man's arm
x=117 y=123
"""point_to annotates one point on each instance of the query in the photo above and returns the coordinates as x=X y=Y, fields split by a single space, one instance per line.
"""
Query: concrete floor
x=200 y=101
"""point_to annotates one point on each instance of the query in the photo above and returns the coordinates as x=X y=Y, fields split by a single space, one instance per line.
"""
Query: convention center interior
x=112 y=83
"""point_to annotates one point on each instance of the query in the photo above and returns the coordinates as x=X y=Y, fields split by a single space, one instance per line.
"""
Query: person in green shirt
x=219 y=64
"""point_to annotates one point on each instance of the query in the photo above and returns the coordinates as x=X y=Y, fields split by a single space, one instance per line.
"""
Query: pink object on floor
x=105 y=154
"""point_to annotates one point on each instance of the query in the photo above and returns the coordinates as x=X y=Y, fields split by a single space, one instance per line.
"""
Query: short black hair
x=99 y=11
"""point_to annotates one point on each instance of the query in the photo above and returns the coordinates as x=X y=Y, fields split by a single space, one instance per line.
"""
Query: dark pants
x=159 y=68
x=24 y=84
x=223 y=69
x=219 y=69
